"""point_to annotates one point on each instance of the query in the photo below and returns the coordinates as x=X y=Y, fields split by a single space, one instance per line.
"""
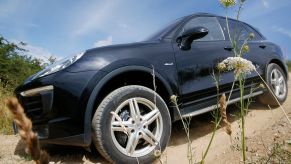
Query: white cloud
x=265 y=3
x=109 y=17
x=32 y=25
x=36 y=51
x=93 y=18
x=282 y=31
x=123 y=25
x=251 y=13
x=106 y=42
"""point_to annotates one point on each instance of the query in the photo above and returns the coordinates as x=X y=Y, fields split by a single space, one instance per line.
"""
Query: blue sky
x=65 y=27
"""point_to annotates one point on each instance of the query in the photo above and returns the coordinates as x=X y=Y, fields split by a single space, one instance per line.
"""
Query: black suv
x=107 y=95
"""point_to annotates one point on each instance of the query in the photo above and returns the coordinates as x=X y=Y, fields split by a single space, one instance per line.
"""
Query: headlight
x=59 y=65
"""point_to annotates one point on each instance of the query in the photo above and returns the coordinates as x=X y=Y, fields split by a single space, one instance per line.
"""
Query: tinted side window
x=211 y=23
x=237 y=30
x=251 y=30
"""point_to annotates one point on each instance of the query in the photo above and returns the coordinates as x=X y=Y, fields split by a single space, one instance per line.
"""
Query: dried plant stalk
x=25 y=131
x=223 y=106
x=120 y=122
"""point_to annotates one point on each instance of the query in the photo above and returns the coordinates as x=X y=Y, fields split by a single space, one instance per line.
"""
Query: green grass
x=26 y=157
x=278 y=153
x=5 y=115
x=289 y=65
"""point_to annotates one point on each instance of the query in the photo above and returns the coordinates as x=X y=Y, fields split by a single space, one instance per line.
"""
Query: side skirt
x=212 y=107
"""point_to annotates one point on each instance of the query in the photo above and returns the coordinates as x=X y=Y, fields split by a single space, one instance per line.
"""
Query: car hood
x=98 y=58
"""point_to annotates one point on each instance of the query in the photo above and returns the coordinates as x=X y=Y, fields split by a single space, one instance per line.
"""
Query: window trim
x=223 y=24
x=230 y=21
x=242 y=25
x=247 y=27
x=194 y=17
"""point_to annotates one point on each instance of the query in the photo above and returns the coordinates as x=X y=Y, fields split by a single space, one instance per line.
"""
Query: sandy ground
x=264 y=128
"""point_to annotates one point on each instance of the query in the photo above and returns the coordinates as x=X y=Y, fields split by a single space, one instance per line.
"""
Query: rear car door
x=195 y=66
x=240 y=32
x=258 y=49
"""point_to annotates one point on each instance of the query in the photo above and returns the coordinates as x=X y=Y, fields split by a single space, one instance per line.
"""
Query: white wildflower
x=173 y=99
x=157 y=153
x=251 y=36
x=238 y=64
x=221 y=66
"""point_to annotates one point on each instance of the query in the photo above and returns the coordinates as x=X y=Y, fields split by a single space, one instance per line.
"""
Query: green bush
x=15 y=67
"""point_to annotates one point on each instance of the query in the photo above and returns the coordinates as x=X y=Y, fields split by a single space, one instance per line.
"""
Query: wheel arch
x=103 y=87
x=280 y=63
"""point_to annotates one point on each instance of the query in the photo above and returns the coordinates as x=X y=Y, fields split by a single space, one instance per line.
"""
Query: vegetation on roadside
x=277 y=153
x=15 y=67
x=6 y=118
x=289 y=65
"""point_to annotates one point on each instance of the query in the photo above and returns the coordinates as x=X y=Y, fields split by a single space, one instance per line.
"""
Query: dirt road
x=264 y=127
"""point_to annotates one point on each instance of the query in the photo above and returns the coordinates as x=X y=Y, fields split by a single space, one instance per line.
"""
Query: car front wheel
x=131 y=125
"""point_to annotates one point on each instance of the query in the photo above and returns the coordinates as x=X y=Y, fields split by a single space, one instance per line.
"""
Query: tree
x=14 y=68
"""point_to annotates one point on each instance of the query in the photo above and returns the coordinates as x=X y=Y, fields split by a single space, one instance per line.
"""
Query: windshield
x=165 y=29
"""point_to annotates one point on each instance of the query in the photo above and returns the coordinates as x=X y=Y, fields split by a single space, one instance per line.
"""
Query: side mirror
x=185 y=40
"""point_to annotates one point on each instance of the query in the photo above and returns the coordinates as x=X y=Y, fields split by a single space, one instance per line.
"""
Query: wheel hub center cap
x=138 y=126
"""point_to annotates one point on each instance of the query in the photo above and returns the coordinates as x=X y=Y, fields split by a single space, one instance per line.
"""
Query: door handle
x=228 y=48
x=262 y=46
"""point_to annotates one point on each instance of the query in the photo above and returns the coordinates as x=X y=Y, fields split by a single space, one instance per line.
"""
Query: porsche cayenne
x=118 y=97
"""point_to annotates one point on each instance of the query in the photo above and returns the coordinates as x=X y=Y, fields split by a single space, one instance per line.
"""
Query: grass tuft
x=278 y=153
x=5 y=115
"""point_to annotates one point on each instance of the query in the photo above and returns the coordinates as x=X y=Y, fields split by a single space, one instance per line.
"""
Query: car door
x=240 y=33
x=195 y=66
x=258 y=50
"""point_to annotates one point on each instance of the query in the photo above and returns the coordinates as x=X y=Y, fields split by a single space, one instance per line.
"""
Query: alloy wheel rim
x=143 y=127
x=278 y=83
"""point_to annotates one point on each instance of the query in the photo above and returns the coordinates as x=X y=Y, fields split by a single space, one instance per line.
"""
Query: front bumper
x=50 y=126
x=56 y=105
x=38 y=104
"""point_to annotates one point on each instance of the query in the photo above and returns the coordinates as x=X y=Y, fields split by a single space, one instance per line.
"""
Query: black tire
x=101 y=124
x=267 y=98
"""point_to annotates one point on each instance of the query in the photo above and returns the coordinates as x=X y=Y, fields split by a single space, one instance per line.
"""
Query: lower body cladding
x=51 y=124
